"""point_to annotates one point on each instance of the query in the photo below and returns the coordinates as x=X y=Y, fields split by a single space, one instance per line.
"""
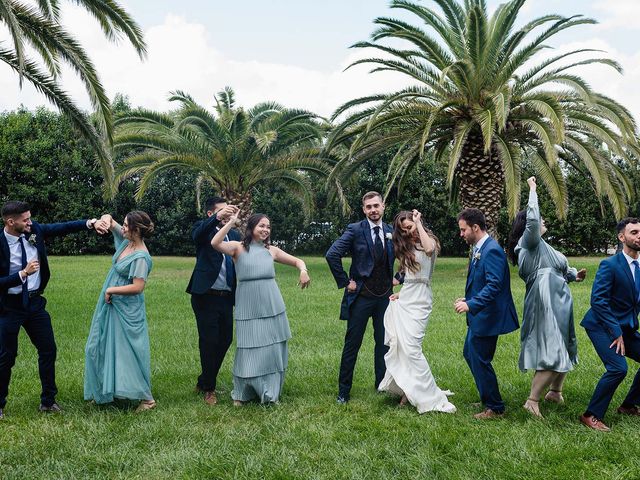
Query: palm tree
x=39 y=28
x=232 y=149
x=480 y=100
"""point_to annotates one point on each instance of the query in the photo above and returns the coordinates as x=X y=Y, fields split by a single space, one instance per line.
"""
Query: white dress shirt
x=373 y=233
x=480 y=242
x=221 y=281
x=15 y=261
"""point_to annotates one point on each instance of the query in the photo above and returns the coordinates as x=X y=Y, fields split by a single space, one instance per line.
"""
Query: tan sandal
x=554 y=396
x=532 y=407
x=146 y=405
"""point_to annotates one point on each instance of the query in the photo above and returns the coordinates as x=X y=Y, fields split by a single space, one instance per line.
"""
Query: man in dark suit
x=212 y=288
x=612 y=325
x=367 y=287
x=489 y=308
x=24 y=274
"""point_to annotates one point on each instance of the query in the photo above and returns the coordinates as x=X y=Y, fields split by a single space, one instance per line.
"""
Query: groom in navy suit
x=488 y=305
x=612 y=325
x=24 y=274
x=366 y=288
x=212 y=287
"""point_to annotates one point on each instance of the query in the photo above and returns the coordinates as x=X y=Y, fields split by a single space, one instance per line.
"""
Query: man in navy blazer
x=366 y=288
x=612 y=325
x=488 y=305
x=24 y=275
x=212 y=287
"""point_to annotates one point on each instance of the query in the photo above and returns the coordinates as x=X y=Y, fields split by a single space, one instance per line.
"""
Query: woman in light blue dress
x=548 y=338
x=262 y=328
x=117 y=363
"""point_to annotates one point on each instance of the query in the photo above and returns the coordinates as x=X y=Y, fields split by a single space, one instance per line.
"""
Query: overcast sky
x=294 y=51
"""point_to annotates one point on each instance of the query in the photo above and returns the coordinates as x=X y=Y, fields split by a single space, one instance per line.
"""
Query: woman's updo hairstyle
x=140 y=222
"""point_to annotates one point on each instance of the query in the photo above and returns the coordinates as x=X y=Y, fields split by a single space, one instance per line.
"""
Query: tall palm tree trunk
x=481 y=181
x=242 y=200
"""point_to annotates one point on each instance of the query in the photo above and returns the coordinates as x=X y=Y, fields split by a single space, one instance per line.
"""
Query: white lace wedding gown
x=405 y=321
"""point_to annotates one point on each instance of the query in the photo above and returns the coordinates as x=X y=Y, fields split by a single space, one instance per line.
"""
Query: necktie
x=25 y=284
x=636 y=277
x=378 y=248
x=229 y=271
x=473 y=255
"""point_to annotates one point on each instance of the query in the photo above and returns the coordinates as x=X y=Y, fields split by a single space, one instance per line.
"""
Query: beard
x=633 y=246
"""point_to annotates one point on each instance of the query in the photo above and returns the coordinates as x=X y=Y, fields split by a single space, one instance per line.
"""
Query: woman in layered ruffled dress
x=117 y=357
x=262 y=328
x=548 y=338
x=408 y=372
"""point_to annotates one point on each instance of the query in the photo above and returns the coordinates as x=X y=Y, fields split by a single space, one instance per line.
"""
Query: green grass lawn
x=307 y=435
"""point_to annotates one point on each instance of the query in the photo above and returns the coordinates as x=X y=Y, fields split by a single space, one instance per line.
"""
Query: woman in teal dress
x=262 y=328
x=117 y=363
x=548 y=338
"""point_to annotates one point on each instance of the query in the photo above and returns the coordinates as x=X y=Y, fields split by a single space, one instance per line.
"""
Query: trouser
x=214 y=318
x=37 y=323
x=616 y=370
x=479 y=352
x=361 y=310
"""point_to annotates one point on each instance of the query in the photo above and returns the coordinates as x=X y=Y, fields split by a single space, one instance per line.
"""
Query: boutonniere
x=476 y=256
x=388 y=236
x=32 y=239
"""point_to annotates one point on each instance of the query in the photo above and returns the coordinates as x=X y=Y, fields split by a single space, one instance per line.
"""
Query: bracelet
x=303 y=270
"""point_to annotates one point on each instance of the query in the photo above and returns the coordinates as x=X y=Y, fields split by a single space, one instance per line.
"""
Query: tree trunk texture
x=481 y=181
x=244 y=202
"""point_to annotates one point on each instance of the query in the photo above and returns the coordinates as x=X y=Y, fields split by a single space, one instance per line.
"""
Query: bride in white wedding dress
x=408 y=373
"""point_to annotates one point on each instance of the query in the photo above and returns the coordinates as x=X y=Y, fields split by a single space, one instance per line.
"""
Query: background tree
x=478 y=101
x=234 y=150
x=39 y=28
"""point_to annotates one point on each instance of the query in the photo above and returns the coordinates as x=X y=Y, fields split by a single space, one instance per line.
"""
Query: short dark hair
x=473 y=216
x=212 y=202
x=139 y=221
x=11 y=209
x=369 y=195
x=626 y=221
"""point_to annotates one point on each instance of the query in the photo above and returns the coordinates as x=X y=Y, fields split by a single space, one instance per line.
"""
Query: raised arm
x=531 y=236
x=283 y=257
x=231 y=248
x=428 y=243
x=201 y=231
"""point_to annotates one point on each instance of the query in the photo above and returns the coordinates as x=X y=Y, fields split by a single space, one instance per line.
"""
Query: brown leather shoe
x=595 y=423
x=210 y=398
x=488 y=414
x=632 y=411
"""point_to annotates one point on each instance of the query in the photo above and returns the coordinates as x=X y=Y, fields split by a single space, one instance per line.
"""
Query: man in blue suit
x=612 y=325
x=212 y=287
x=367 y=287
x=24 y=275
x=489 y=308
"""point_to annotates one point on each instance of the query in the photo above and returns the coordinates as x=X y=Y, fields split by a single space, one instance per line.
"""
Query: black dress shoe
x=53 y=408
x=342 y=400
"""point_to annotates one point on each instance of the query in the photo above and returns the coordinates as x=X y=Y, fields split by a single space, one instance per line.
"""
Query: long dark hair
x=252 y=223
x=404 y=245
x=517 y=229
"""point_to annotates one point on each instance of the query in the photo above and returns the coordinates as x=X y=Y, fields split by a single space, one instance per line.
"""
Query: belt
x=32 y=293
x=218 y=293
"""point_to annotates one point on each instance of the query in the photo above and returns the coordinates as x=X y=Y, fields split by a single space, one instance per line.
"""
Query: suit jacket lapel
x=4 y=246
x=473 y=264
x=366 y=231
x=388 y=244
x=624 y=266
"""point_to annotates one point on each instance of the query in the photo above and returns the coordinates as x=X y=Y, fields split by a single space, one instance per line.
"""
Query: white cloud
x=181 y=57
x=618 y=14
